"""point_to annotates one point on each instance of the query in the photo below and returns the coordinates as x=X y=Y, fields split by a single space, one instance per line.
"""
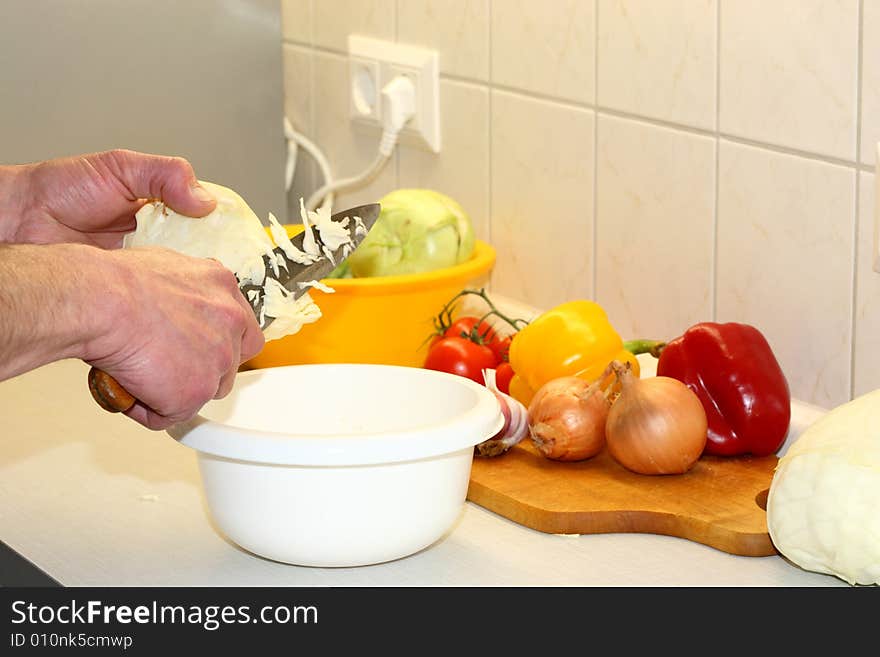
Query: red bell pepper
x=733 y=371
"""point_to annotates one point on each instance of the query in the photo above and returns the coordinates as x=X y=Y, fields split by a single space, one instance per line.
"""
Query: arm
x=41 y=318
x=170 y=328
x=12 y=194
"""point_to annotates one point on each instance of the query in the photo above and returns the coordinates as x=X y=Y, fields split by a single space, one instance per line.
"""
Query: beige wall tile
x=298 y=97
x=655 y=216
x=350 y=148
x=461 y=169
x=296 y=20
x=658 y=59
x=788 y=73
x=306 y=180
x=298 y=93
x=336 y=19
x=523 y=165
x=867 y=317
x=870 y=135
x=542 y=199
x=545 y=47
x=457 y=29
x=785 y=262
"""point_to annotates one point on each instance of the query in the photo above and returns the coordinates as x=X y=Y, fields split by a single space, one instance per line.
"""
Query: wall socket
x=373 y=63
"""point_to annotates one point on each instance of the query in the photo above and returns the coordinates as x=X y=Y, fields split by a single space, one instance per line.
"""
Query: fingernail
x=202 y=194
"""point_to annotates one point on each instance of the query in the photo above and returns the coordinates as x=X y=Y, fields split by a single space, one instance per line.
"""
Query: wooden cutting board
x=720 y=502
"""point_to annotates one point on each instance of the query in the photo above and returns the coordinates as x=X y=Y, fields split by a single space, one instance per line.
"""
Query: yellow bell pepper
x=573 y=339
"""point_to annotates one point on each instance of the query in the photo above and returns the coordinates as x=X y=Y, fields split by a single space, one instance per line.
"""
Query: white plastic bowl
x=340 y=464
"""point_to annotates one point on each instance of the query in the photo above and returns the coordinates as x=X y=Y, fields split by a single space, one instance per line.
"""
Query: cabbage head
x=822 y=510
x=418 y=230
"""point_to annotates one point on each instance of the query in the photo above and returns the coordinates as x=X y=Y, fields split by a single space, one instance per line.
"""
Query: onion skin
x=656 y=426
x=515 y=426
x=567 y=419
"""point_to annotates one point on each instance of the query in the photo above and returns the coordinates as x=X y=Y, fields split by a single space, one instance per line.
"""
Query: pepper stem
x=653 y=347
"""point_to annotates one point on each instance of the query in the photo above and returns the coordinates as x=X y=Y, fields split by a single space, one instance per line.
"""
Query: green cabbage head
x=418 y=230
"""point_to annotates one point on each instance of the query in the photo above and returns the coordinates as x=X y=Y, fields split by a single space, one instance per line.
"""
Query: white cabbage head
x=418 y=230
x=823 y=509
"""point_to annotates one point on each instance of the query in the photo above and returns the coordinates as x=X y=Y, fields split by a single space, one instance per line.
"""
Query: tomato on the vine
x=473 y=328
x=468 y=344
x=479 y=331
x=503 y=375
x=501 y=347
x=458 y=355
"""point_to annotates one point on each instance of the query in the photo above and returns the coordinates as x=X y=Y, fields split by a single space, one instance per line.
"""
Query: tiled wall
x=676 y=160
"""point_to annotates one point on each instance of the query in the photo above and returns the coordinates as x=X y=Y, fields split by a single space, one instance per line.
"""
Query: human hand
x=176 y=330
x=93 y=198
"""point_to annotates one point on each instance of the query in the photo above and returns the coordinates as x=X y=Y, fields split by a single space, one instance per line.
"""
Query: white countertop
x=93 y=499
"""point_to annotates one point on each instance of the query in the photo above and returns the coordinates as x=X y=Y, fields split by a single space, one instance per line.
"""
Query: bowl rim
x=480 y=422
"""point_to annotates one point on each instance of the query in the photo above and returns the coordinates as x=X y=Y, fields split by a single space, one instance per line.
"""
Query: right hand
x=175 y=330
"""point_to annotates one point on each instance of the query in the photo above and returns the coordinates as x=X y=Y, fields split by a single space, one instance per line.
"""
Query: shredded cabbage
x=233 y=234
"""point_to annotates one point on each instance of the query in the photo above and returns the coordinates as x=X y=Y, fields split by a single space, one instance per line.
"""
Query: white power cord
x=399 y=106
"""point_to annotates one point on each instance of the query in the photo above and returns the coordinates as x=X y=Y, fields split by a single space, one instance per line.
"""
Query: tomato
x=501 y=347
x=481 y=332
x=503 y=375
x=472 y=328
x=461 y=356
x=468 y=327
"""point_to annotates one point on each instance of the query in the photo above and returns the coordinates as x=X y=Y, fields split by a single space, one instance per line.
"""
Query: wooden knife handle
x=107 y=391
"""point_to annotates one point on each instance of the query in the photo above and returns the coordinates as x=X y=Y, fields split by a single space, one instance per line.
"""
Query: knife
x=112 y=397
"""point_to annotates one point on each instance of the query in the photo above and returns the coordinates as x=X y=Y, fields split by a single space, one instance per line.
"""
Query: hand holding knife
x=113 y=397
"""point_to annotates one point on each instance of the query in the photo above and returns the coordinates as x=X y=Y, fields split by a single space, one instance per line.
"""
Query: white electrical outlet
x=373 y=63
x=877 y=211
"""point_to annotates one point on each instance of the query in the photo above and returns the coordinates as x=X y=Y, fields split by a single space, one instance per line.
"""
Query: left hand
x=92 y=199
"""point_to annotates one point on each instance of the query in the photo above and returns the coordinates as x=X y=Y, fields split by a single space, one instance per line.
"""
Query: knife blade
x=293 y=275
x=113 y=397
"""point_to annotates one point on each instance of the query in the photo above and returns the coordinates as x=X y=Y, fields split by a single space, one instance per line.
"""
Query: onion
x=515 y=426
x=567 y=418
x=657 y=425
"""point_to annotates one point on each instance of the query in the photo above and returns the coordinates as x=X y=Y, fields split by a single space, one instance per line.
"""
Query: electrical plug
x=399 y=106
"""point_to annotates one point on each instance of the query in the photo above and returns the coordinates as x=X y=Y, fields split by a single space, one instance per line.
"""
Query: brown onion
x=567 y=419
x=657 y=425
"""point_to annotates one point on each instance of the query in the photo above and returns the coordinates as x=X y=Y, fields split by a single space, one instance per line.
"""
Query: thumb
x=193 y=201
x=169 y=179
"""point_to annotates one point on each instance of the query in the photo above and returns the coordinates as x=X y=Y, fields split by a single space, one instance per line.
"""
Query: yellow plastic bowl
x=384 y=319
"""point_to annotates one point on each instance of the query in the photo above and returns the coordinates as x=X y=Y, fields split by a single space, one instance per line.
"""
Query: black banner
x=153 y=621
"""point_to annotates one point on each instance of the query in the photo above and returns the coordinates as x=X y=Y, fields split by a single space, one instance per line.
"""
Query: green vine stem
x=443 y=320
